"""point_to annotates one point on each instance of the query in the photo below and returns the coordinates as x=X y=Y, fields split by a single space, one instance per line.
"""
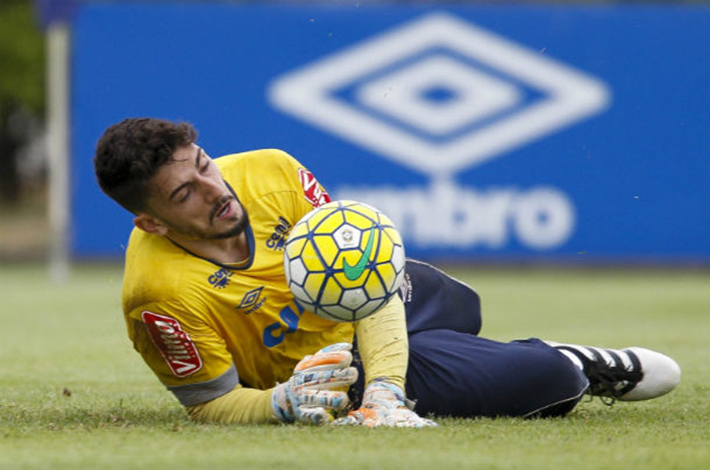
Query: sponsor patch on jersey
x=405 y=290
x=277 y=241
x=220 y=279
x=174 y=345
x=311 y=189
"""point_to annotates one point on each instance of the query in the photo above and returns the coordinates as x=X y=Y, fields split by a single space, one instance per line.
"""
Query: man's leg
x=435 y=300
x=459 y=374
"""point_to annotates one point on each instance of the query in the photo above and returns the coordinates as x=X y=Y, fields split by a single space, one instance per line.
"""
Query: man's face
x=189 y=198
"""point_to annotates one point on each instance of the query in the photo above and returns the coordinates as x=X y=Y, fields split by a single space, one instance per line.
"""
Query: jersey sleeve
x=241 y=405
x=186 y=355
x=281 y=172
x=313 y=192
x=310 y=193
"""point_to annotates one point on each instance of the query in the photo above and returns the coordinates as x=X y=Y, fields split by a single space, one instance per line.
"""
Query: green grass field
x=74 y=395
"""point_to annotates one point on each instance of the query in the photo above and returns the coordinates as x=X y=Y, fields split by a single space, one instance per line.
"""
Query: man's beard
x=236 y=230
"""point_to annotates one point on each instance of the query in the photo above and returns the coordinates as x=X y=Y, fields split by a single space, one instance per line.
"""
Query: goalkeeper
x=207 y=307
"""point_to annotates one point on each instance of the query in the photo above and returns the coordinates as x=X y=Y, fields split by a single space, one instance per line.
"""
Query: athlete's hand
x=310 y=395
x=384 y=404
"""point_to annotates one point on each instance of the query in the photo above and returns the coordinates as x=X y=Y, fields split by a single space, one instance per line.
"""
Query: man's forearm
x=383 y=344
x=241 y=405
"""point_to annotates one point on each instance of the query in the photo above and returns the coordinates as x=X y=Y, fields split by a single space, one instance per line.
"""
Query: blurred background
x=528 y=132
x=23 y=151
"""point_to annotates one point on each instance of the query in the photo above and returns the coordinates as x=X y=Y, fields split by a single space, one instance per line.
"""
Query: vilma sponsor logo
x=311 y=189
x=174 y=345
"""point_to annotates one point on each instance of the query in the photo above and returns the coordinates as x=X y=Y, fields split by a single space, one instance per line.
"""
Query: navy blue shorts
x=454 y=372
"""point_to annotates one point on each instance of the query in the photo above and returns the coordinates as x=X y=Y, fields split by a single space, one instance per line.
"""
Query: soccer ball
x=344 y=260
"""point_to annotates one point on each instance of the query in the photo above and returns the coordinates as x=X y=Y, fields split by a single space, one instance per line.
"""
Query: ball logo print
x=354 y=272
x=344 y=260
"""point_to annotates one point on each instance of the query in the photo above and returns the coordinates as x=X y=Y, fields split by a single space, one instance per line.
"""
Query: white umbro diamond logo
x=439 y=95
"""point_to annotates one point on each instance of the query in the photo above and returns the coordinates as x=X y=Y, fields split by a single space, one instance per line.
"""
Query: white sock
x=572 y=357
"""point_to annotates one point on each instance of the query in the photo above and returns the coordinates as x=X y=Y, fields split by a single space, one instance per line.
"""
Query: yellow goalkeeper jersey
x=203 y=327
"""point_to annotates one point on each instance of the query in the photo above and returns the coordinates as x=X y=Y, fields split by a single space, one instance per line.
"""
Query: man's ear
x=149 y=224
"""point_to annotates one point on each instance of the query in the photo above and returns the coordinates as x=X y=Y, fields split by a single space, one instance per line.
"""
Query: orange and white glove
x=384 y=404
x=310 y=395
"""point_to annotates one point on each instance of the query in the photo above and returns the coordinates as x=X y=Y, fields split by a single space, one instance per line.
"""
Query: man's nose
x=213 y=190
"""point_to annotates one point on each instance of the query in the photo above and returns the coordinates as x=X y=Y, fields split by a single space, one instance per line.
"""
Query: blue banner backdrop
x=570 y=134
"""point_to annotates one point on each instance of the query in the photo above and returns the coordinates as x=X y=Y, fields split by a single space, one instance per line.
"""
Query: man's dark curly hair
x=131 y=152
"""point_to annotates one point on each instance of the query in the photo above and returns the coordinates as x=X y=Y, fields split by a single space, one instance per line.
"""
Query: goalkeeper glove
x=310 y=393
x=384 y=404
